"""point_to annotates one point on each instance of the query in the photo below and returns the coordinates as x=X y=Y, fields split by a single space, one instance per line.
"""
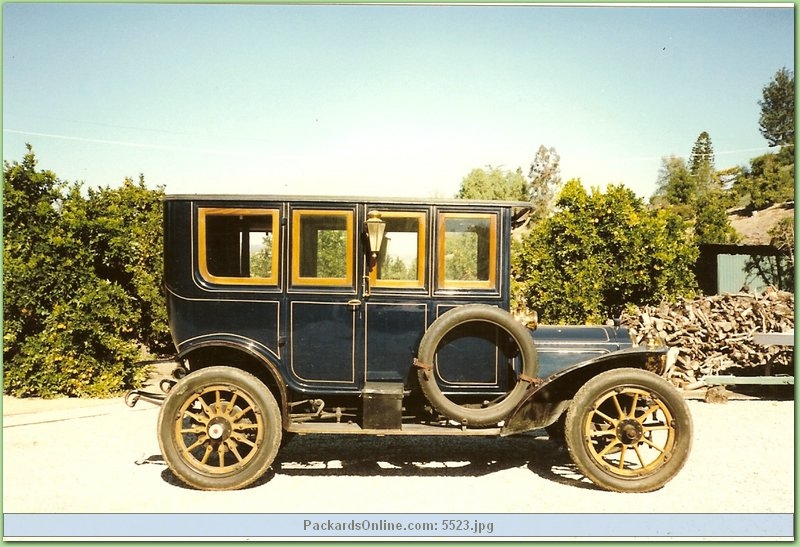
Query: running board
x=405 y=429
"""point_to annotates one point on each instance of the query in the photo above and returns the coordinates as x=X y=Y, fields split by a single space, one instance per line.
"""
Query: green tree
x=769 y=180
x=701 y=162
x=81 y=283
x=261 y=259
x=711 y=221
x=600 y=251
x=462 y=257
x=770 y=177
x=125 y=238
x=30 y=225
x=777 y=109
x=782 y=237
x=332 y=253
x=494 y=183
x=676 y=186
x=694 y=191
x=544 y=181
x=397 y=268
x=778 y=269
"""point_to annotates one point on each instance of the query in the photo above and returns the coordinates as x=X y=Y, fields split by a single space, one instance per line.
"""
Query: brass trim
x=202 y=262
x=297 y=279
x=441 y=281
x=419 y=282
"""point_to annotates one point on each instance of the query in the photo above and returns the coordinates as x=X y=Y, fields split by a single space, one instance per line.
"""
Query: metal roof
x=343 y=199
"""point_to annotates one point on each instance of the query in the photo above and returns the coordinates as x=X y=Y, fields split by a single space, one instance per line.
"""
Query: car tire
x=426 y=357
x=219 y=429
x=628 y=430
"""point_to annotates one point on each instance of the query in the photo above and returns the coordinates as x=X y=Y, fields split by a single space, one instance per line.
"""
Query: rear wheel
x=628 y=430
x=219 y=429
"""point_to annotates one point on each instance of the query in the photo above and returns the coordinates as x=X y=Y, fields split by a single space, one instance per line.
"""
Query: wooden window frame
x=442 y=282
x=202 y=258
x=338 y=282
x=422 y=237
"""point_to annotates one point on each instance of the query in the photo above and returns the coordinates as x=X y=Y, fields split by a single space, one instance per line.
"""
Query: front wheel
x=219 y=429
x=628 y=430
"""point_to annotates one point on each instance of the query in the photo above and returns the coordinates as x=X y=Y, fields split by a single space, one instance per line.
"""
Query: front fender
x=546 y=400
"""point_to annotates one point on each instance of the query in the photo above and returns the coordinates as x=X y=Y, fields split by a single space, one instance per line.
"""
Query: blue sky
x=380 y=100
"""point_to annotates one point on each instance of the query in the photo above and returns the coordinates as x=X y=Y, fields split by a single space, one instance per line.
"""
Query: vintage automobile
x=296 y=315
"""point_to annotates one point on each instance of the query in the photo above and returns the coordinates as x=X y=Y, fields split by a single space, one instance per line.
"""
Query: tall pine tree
x=701 y=162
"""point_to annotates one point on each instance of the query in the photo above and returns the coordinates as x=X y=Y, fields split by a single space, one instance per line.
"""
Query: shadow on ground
x=396 y=456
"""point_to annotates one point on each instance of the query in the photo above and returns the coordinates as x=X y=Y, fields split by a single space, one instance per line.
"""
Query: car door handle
x=354 y=304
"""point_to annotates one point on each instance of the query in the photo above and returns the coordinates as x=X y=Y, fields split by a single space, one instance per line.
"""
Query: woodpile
x=714 y=334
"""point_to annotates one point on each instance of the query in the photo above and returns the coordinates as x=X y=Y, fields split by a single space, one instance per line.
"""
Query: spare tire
x=426 y=360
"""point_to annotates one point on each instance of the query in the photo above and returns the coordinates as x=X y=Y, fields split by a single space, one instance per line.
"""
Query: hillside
x=754 y=227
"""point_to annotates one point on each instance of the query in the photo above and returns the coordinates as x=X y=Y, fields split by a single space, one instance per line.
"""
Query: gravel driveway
x=103 y=457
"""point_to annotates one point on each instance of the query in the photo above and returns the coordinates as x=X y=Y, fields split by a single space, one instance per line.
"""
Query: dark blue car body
x=330 y=337
x=386 y=317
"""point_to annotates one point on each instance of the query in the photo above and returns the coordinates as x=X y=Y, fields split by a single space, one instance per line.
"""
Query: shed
x=754 y=263
x=730 y=268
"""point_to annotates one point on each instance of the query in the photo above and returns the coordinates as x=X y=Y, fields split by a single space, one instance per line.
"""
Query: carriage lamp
x=376 y=228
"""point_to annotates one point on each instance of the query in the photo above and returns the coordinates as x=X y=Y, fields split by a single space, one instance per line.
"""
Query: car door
x=396 y=292
x=355 y=315
x=323 y=312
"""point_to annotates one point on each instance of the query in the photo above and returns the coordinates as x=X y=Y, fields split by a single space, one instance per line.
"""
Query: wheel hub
x=218 y=429
x=629 y=431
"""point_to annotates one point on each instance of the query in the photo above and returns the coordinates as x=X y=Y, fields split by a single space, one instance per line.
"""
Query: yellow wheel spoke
x=649 y=411
x=609 y=448
x=622 y=457
x=221 y=454
x=235 y=451
x=240 y=413
x=639 y=455
x=603 y=433
x=652 y=445
x=242 y=439
x=195 y=429
x=621 y=412
x=206 y=454
x=231 y=404
x=199 y=418
x=635 y=401
x=206 y=408
x=198 y=442
x=606 y=417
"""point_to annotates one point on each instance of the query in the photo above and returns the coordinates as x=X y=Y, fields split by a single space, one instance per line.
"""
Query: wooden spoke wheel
x=628 y=430
x=219 y=429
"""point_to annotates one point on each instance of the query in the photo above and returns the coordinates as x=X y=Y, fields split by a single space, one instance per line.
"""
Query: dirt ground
x=101 y=457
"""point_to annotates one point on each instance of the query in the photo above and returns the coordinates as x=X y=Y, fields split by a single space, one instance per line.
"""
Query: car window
x=322 y=247
x=401 y=260
x=238 y=246
x=467 y=250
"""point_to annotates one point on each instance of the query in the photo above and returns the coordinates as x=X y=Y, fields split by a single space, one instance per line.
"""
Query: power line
x=132 y=144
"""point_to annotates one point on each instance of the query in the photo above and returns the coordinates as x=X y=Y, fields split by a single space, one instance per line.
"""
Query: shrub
x=600 y=251
x=81 y=279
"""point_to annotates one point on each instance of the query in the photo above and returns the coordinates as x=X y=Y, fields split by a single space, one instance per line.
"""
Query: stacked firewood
x=714 y=334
